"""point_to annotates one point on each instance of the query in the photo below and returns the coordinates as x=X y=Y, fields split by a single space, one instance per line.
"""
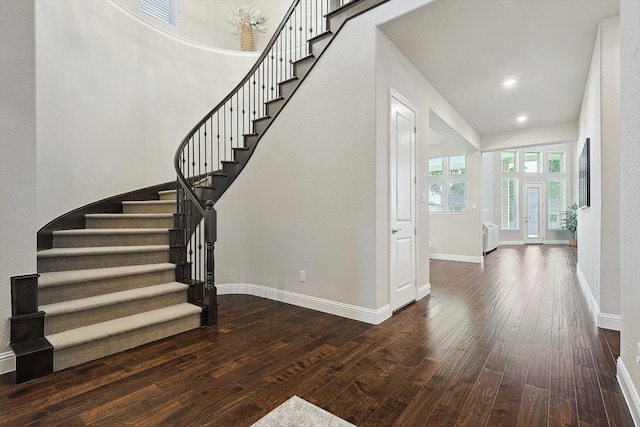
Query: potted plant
x=570 y=222
x=246 y=19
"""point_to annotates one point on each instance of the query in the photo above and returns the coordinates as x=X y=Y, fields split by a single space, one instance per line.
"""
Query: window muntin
x=556 y=203
x=531 y=162
x=556 y=162
x=509 y=161
x=447 y=185
x=510 y=202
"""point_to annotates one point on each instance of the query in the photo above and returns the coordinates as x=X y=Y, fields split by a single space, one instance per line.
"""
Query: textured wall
x=18 y=158
x=630 y=184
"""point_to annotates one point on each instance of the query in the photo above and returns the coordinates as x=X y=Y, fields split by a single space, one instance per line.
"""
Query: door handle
x=395 y=230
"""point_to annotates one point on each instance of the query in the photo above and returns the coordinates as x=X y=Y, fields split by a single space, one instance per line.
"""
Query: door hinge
x=414 y=130
x=415 y=180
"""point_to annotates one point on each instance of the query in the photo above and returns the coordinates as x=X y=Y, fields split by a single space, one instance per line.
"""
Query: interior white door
x=533 y=213
x=403 y=203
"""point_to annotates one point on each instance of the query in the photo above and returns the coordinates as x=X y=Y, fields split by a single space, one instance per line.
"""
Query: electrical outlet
x=303 y=276
x=595 y=280
x=638 y=354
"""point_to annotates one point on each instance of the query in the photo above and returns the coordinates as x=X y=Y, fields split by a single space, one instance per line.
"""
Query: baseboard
x=7 y=362
x=628 y=391
x=460 y=258
x=423 y=291
x=510 y=242
x=594 y=309
x=603 y=320
x=556 y=242
x=349 y=311
x=609 y=321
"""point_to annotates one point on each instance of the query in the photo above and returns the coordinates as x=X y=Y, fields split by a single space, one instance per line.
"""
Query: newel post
x=210 y=292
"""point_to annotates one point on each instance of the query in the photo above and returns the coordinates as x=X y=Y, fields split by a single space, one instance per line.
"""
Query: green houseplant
x=570 y=222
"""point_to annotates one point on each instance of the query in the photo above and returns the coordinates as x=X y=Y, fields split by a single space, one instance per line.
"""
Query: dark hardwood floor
x=507 y=345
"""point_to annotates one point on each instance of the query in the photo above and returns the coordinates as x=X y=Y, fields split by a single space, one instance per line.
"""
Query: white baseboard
x=349 y=311
x=609 y=321
x=629 y=391
x=594 y=309
x=423 y=291
x=510 y=242
x=460 y=258
x=7 y=362
x=556 y=242
x=603 y=320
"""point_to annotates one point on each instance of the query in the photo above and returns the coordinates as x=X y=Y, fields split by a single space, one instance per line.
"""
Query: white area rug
x=297 y=412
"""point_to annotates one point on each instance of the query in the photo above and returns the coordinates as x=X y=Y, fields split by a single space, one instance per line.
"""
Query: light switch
x=424 y=197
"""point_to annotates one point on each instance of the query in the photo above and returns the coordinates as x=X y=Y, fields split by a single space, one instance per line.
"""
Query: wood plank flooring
x=507 y=345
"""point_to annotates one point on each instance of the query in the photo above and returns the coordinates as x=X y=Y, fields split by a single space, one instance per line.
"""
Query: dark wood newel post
x=210 y=292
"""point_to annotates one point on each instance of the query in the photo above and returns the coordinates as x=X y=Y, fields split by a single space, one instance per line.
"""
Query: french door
x=533 y=213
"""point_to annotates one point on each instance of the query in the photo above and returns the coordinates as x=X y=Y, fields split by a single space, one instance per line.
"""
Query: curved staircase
x=110 y=286
x=145 y=270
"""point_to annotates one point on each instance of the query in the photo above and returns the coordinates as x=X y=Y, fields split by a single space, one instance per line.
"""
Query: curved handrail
x=177 y=158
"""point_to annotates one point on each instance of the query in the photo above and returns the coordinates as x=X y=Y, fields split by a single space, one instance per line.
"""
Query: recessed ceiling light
x=509 y=82
x=522 y=119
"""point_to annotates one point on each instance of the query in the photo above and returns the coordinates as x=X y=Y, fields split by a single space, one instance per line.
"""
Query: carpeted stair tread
x=88 y=303
x=122 y=325
x=100 y=231
x=148 y=202
x=59 y=278
x=131 y=215
x=100 y=250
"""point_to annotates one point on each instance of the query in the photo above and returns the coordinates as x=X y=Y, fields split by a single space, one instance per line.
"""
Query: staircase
x=110 y=286
x=116 y=280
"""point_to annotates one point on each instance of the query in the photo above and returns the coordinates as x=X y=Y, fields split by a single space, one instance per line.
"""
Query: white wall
x=18 y=159
x=552 y=134
x=610 y=229
x=628 y=369
x=112 y=101
x=205 y=21
x=589 y=219
x=332 y=220
x=457 y=236
x=306 y=200
x=599 y=224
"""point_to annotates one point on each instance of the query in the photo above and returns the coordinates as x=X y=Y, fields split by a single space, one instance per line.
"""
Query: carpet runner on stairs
x=110 y=287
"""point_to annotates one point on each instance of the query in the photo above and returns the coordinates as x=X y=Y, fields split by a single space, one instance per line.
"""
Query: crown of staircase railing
x=206 y=161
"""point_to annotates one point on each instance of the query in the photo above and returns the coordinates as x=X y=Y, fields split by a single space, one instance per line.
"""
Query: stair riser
x=84 y=262
x=259 y=126
x=286 y=89
x=167 y=195
x=318 y=46
x=241 y=155
x=302 y=68
x=63 y=322
x=55 y=294
x=164 y=223
x=76 y=355
x=146 y=208
x=85 y=241
x=274 y=108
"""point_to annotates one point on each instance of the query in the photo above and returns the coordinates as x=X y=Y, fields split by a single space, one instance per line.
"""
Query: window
x=164 y=10
x=447 y=185
x=556 y=162
x=556 y=204
x=531 y=162
x=509 y=161
x=509 y=195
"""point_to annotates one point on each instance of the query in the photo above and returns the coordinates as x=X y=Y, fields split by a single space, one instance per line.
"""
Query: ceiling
x=468 y=48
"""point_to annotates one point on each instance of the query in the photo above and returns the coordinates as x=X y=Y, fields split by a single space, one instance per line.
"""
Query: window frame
x=445 y=180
